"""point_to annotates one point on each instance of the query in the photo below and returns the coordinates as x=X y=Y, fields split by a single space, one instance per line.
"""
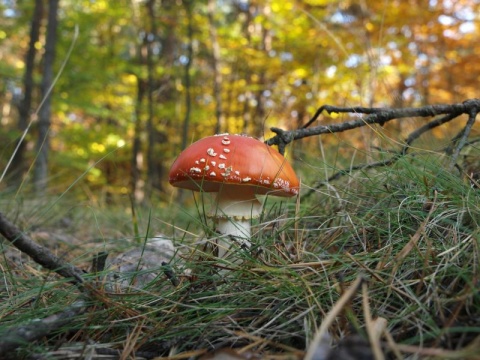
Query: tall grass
x=411 y=231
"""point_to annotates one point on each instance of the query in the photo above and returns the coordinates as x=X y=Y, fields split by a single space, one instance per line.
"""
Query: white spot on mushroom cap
x=226 y=141
x=226 y=150
x=246 y=179
x=214 y=163
x=213 y=173
x=195 y=170
x=237 y=172
x=202 y=160
x=223 y=157
x=221 y=166
x=211 y=152
x=281 y=183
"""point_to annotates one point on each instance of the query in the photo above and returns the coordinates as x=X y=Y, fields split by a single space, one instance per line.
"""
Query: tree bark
x=217 y=75
x=160 y=89
x=12 y=338
x=154 y=171
x=136 y=187
x=38 y=253
x=17 y=167
x=188 y=101
x=43 y=143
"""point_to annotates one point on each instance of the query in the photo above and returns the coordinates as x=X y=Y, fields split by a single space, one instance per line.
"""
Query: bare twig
x=14 y=337
x=40 y=254
x=380 y=116
x=374 y=116
x=466 y=131
x=427 y=127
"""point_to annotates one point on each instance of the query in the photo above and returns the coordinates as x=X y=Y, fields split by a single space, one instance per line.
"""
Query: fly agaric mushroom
x=237 y=168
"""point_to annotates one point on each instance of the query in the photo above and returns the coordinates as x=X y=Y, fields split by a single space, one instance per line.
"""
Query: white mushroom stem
x=235 y=206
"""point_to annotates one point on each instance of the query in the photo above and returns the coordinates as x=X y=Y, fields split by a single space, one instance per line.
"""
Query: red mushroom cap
x=233 y=159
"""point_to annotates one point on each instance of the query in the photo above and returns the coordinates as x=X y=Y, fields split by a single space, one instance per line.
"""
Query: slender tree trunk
x=17 y=167
x=230 y=110
x=136 y=187
x=266 y=46
x=188 y=65
x=217 y=75
x=259 y=114
x=43 y=144
x=151 y=34
x=160 y=89
x=246 y=116
x=154 y=170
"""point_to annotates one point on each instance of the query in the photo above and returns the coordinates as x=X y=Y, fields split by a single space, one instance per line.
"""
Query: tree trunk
x=154 y=171
x=136 y=187
x=43 y=144
x=17 y=168
x=217 y=75
x=160 y=89
x=188 y=100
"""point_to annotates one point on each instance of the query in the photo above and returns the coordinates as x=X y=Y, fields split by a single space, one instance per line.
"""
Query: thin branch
x=427 y=127
x=14 y=337
x=40 y=254
x=374 y=116
x=463 y=140
x=380 y=116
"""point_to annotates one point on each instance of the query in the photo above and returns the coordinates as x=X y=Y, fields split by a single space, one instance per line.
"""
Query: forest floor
x=381 y=264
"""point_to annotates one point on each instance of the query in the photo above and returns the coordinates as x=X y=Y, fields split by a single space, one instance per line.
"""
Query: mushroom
x=237 y=168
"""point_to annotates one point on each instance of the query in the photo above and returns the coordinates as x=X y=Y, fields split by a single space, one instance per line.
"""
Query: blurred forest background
x=140 y=80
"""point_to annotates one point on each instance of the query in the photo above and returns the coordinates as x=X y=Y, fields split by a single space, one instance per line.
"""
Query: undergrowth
x=409 y=231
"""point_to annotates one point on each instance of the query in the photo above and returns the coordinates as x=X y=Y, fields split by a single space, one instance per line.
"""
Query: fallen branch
x=14 y=337
x=17 y=336
x=38 y=253
x=374 y=116
x=381 y=116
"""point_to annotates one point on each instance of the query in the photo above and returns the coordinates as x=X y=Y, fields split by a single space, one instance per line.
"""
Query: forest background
x=97 y=98
x=135 y=82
